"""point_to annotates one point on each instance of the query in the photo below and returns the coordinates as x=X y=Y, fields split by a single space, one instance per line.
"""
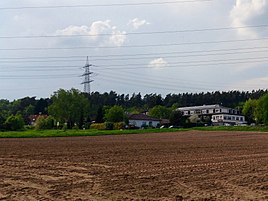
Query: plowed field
x=165 y=166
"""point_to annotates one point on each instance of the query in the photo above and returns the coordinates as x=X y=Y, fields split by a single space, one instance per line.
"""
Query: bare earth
x=167 y=166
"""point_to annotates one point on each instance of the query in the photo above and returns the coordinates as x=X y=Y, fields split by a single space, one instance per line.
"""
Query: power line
x=184 y=66
x=194 y=62
x=125 y=81
x=144 y=54
x=187 y=64
x=170 y=80
x=166 y=87
x=167 y=81
x=63 y=76
x=134 y=33
x=140 y=58
x=103 y=5
x=136 y=46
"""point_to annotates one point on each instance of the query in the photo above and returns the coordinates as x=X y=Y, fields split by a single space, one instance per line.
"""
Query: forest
x=77 y=108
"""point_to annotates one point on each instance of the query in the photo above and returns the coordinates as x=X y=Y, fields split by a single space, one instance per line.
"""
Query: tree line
x=76 y=108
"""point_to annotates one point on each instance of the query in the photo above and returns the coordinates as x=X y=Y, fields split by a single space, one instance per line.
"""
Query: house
x=227 y=119
x=219 y=114
x=207 y=110
x=142 y=120
x=32 y=118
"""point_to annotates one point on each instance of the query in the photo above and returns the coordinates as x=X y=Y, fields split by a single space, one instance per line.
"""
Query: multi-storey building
x=219 y=114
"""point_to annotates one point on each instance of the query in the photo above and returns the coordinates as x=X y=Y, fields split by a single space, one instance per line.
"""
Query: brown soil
x=200 y=166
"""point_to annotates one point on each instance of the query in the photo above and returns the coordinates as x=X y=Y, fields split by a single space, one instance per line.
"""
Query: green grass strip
x=93 y=132
x=72 y=133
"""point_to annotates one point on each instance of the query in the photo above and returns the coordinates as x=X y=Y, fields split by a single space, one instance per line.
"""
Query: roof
x=203 y=107
x=142 y=117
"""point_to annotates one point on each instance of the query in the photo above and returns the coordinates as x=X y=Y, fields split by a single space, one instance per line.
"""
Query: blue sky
x=177 y=47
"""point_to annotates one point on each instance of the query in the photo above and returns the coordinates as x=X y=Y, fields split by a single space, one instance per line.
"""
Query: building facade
x=142 y=120
x=219 y=114
x=228 y=119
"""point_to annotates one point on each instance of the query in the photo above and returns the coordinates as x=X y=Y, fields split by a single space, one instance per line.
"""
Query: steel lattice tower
x=87 y=78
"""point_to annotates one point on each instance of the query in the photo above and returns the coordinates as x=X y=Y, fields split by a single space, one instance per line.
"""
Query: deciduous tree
x=160 y=112
x=14 y=123
x=261 y=112
x=69 y=107
x=114 y=114
x=176 y=118
x=249 y=110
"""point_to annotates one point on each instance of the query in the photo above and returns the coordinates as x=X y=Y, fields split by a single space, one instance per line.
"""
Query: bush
x=64 y=127
x=29 y=127
x=109 y=125
x=14 y=123
x=43 y=123
x=119 y=125
x=103 y=126
x=98 y=126
x=75 y=127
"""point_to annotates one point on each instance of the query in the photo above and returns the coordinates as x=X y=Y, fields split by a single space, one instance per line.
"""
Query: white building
x=220 y=115
x=228 y=119
x=142 y=120
x=207 y=110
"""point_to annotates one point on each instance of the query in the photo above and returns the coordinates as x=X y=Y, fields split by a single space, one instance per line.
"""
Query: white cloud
x=73 y=30
x=117 y=38
x=103 y=31
x=137 y=23
x=158 y=63
x=100 y=27
x=246 y=12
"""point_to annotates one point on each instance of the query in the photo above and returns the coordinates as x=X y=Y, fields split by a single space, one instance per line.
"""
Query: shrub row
x=108 y=126
x=98 y=126
x=43 y=123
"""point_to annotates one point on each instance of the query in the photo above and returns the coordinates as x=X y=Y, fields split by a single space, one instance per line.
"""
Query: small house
x=142 y=120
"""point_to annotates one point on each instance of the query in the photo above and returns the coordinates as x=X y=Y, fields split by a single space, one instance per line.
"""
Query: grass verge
x=93 y=132
x=72 y=133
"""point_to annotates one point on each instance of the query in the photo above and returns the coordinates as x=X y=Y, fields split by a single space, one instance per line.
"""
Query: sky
x=146 y=46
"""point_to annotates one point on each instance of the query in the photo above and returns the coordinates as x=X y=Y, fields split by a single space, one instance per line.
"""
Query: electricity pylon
x=87 y=77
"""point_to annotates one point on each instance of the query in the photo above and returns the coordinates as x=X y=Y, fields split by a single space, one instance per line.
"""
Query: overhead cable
x=103 y=5
x=133 y=33
x=134 y=46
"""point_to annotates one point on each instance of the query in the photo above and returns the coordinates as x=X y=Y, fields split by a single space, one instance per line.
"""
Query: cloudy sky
x=146 y=46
